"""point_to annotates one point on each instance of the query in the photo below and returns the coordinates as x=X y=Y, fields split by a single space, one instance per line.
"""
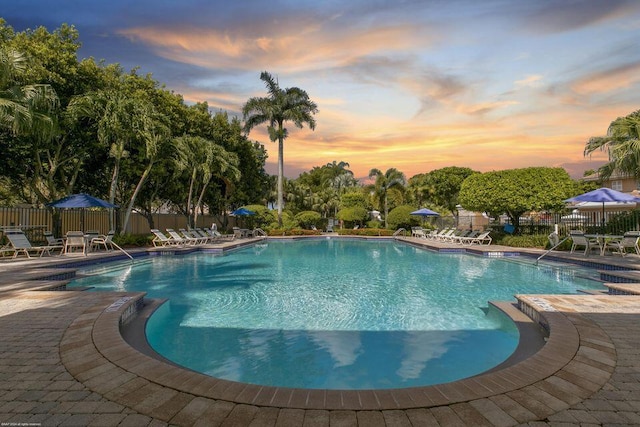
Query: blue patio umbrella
x=242 y=212
x=80 y=200
x=425 y=212
x=604 y=195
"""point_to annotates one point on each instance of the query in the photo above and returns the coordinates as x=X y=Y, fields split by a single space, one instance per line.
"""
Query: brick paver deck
x=63 y=362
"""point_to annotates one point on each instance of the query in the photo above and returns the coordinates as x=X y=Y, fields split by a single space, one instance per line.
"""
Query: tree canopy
x=516 y=191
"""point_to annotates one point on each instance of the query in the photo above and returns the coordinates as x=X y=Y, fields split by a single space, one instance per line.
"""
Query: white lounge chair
x=467 y=234
x=51 y=240
x=20 y=244
x=178 y=238
x=203 y=234
x=194 y=239
x=480 y=239
x=161 y=239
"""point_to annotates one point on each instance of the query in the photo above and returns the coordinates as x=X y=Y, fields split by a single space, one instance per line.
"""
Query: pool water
x=334 y=313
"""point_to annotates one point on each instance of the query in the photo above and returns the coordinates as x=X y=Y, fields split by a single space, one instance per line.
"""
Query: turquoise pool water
x=334 y=313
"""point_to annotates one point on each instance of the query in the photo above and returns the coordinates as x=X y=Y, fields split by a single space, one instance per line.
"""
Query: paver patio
x=63 y=362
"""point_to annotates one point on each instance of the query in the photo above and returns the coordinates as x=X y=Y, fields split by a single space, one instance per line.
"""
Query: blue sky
x=415 y=85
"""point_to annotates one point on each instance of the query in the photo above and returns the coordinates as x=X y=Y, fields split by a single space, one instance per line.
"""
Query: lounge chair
x=629 y=240
x=579 y=239
x=161 y=239
x=216 y=234
x=445 y=236
x=106 y=241
x=451 y=238
x=203 y=234
x=178 y=238
x=480 y=239
x=20 y=244
x=192 y=234
x=75 y=240
x=460 y=238
x=437 y=234
x=51 y=240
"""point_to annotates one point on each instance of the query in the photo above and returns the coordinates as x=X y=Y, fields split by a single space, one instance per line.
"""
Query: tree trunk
x=280 y=176
x=191 y=184
x=112 y=194
x=132 y=201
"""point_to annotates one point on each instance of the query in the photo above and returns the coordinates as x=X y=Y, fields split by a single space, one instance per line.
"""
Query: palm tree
x=385 y=182
x=117 y=118
x=282 y=105
x=154 y=134
x=623 y=144
x=203 y=159
x=24 y=110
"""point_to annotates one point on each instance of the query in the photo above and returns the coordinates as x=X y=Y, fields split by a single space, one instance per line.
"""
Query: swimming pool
x=334 y=313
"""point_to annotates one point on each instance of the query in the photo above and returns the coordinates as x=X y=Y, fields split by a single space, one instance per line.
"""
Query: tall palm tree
x=623 y=144
x=385 y=182
x=282 y=105
x=24 y=109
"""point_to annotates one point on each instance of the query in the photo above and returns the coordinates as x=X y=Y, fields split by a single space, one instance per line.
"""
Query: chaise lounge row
x=452 y=235
x=183 y=237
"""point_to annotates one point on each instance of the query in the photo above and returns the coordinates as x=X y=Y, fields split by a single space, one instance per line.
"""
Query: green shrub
x=401 y=217
x=540 y=241
x=365 y=232
x=292 y=232
x=374 y=223
x=261 y=219
x=129 y=240
x=308 y=218
x=353 y=215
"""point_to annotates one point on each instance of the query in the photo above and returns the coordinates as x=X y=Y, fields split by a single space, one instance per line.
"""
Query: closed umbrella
x=604 y=195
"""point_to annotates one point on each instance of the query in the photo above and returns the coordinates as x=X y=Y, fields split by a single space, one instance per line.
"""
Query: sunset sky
x=415 y=85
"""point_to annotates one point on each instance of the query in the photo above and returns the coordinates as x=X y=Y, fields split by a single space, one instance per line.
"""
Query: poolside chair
x=579 y=239
x=480 y=239
x=629 y=240
x=75 y=242
x=216 y=234
x=51 y=240
x=196 y=239
x=444 y=236
x=203 y=234
x=106 y=241
x=439 y=233
x=20 y=244
x=238 y=233
x=419 y=233
x=160 y=239
x=178 y=238
x=465 y=236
